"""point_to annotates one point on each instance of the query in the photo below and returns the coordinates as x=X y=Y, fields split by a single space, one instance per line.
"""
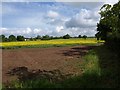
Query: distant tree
x=55 y=37
x=20 y=38
x=79 y=36
x=31 y=39
x=51 y=37
x=46 y=37
x=84 y=36
x=38 y=37
x=6 y=39
x=12 y=38
x=2 y=38
x=67 y=36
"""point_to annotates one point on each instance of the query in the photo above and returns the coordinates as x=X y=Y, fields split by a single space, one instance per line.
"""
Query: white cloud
x=52 y=14
x=58 y=31
x=37 y=31
x=27 y=32
x=85 y=18
x=59 y=28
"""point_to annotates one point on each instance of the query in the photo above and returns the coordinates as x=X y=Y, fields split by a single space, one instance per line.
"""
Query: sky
x=30 y=19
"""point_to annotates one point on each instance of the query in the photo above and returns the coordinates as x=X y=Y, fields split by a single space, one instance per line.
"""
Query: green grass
x=92 y=63
x=100 y=70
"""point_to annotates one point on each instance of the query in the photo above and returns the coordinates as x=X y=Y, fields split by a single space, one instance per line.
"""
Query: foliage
x=109 y=25
x=20 y=38
x=79 y=36
x=46 y=37
x=38 y=37
x=2 y=38
x=12 y=38
x=67 y=36
x=32 y=39
x=97 y=36
x=84 y=36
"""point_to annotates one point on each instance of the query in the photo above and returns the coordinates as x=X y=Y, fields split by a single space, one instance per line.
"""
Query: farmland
x=60 y=67
x=51 y=42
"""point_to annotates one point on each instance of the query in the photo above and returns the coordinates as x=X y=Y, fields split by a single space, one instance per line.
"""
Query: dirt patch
x=65 y=59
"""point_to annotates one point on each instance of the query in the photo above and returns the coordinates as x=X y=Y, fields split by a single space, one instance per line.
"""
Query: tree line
x=109 y=25
x=12 y=38
x=3 y=38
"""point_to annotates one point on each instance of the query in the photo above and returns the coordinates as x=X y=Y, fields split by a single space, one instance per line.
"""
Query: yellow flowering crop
x=51 y=42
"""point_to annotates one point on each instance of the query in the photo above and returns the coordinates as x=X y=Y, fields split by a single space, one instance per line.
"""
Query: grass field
x=50 y=42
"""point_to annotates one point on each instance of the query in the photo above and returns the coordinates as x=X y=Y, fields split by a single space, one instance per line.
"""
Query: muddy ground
x=66 y=59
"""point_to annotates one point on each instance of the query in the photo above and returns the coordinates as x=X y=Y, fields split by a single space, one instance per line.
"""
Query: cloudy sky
x=49 y=18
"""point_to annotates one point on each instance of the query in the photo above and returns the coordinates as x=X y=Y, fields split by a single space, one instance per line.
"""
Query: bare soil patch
x=65 y=59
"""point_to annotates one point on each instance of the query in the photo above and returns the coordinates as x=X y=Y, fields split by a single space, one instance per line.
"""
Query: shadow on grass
x=101 y=67
x=101 y=70
x=109 y=65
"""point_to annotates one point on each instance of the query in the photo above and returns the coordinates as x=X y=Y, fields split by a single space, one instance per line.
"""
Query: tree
x=20 y=38
x=12 y=38
x=84 y=36
x=108 y=27
x=109 y=24
x=46 y=37
x=67 y=36
x=38 y=37
x=79 y=36
x=31 y=39
x=2 y=38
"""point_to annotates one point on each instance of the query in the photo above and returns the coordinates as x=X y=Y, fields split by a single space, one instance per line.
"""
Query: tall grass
x=92 y=63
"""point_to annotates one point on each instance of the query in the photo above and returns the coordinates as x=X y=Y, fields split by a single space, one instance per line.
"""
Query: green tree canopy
x=2 y=38
x=84 y=36
x=12 y=38
x=67 y=36
x=46 y=37
x=109 y=25
x=79 y=36
x=20 y=38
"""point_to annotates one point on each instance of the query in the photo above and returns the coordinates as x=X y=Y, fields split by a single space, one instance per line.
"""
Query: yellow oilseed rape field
x=50 y=42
